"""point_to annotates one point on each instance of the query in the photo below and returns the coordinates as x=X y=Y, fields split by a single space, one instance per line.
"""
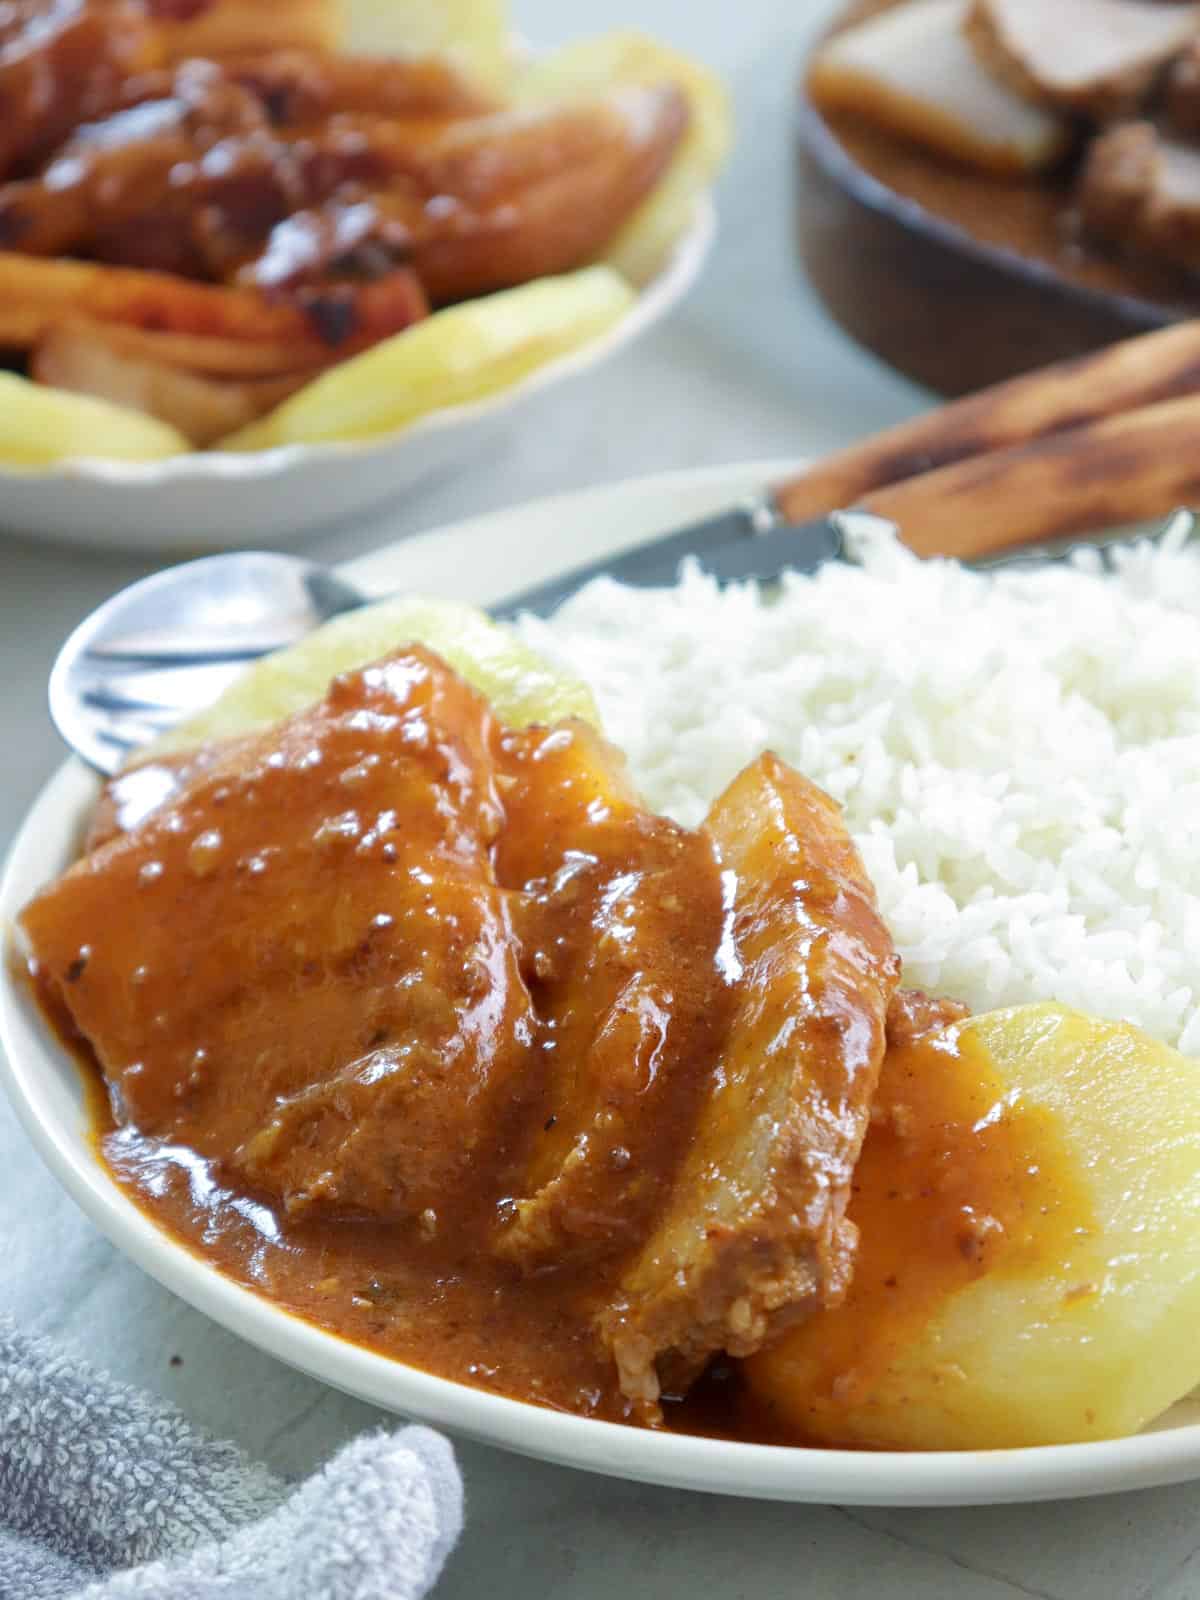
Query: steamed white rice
x=1018 y=754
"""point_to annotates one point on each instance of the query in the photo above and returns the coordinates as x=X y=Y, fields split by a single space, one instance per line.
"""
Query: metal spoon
x=166 y=647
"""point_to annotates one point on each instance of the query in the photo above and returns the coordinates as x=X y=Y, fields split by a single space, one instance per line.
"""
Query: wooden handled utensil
x=1072 y=399
x=1124 y=469
x=1075 y=448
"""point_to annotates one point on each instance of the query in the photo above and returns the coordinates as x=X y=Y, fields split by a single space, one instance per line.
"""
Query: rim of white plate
x=44 y=1085
x=659 y=296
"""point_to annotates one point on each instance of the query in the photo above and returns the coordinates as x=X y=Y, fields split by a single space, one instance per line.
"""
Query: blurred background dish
x=208 y=500
x=368 y=222
x=961 y=276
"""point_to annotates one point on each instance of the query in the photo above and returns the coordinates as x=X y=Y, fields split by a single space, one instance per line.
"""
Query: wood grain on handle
x=1136 y=372
x=1128 y=468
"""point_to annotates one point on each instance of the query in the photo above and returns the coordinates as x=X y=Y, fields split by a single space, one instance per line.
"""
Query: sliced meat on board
x=1097 y=58
x=911 y=71
x=1140 y=191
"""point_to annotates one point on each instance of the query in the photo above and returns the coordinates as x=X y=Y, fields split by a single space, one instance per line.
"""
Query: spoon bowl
x=167 y=646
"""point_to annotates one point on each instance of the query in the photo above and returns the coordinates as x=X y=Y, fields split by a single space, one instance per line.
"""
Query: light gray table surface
x=749 y=367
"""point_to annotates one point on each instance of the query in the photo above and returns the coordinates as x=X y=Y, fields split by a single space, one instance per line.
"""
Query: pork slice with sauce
x=621 y=922
x=300 y=965
x=1140 y=192
x=912 y=1014
x=390 y=960
x=754 y=1236
x=911 y=71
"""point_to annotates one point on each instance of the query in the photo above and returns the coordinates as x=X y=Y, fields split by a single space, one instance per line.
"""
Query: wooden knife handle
x=1137 y=372
x=1128 y=468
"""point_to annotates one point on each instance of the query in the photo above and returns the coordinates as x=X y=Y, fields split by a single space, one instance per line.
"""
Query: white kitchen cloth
x=107 y=1495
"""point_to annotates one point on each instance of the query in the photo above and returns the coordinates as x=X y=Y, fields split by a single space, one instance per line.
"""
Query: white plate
x=483 y=560
x=209 y=500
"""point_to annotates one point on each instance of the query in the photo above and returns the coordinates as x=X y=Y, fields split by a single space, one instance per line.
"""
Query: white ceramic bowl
x=211 y=500
x=483 y=560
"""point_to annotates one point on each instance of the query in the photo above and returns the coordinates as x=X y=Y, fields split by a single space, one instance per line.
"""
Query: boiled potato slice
x=1085 y=1330
x=475 y=32
x=462 y=353
x=521 y=686
x=594 y=65
x=40 y=426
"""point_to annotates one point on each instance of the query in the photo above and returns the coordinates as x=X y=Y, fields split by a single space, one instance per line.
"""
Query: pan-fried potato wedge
x=234 y=27
x=462 y=353
x=1085 y=1326
x=541 y=189
x=37 y=295
x=520 y=684
x=475 y=33
x=629 y=57
x=40 y=426
x=83 y=361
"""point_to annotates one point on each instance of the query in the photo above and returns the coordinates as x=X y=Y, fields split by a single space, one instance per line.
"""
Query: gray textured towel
x=107 y=1495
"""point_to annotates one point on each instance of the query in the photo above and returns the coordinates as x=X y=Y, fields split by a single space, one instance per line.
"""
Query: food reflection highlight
x=420 y=1022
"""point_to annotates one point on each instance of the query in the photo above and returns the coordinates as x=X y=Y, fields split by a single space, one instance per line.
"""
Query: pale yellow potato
x=40 y=426
x=1093 y=1345
x=459 y=354
x=593 y=65
x=644 y=245
x=475 y=33
x=521 y=686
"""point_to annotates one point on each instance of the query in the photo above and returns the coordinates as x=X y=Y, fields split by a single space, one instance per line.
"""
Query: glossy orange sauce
x=958 y=1178
x=329 y=1076
x=469 y=1320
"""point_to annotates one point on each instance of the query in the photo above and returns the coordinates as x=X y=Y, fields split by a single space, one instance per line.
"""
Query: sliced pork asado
x=1140 y=192
x=301 y=967
x=1098 y=58
x=913 y=1013
x=754 y=1236
x=911 y=70
x=393 y=964
x=621 y=922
